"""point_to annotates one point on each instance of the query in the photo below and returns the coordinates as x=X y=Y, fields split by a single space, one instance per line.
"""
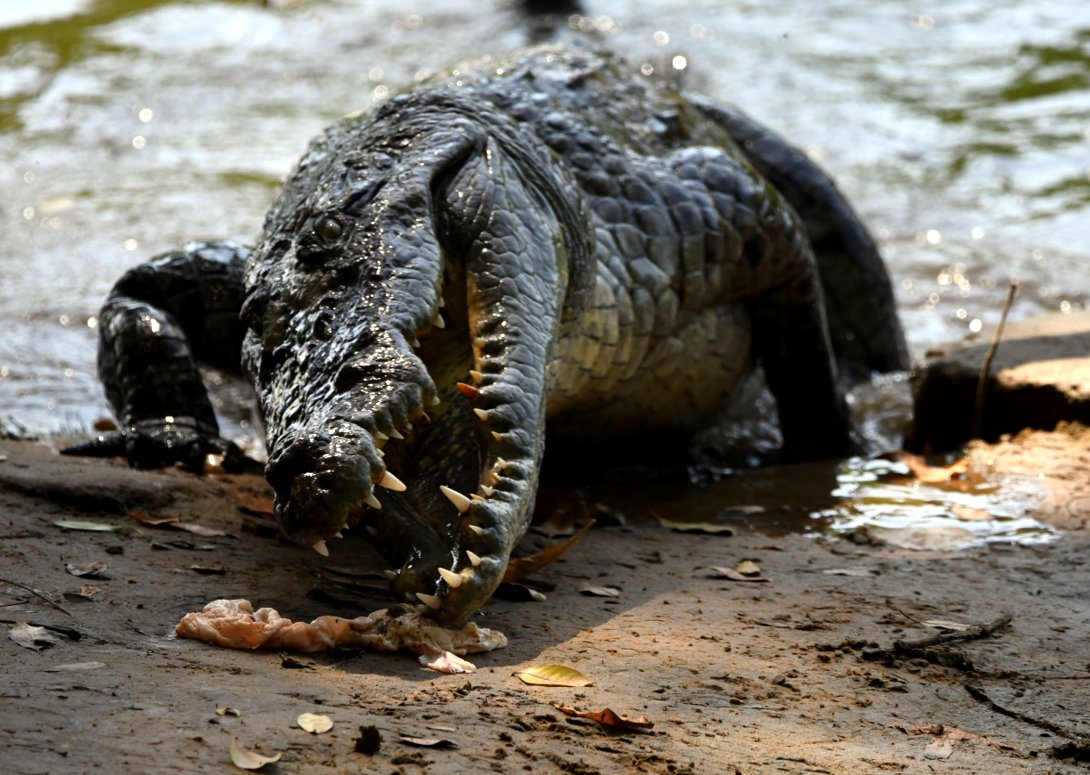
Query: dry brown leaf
x=144 y=518
x=521 y=567
x=225 y=711
x=748 y=568
x=245 y=759
x=608 y=718
x=848 y=572
x=199 y=530
x=554 y=675
x=596 y=591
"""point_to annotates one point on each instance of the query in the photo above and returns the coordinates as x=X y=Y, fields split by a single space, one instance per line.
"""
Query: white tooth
x=487 y=491
x=396 y=434
x=380 y=453
x=391 y=482
x=477 y=376
x=372 y=530
x=372 y=501
x=474 y=558
x=497 y=436
x=436 y=400
x=391 y=574
x=431 y=601
x=320 y=547
x=414 y=342
x=477 y=529
x=460 y=501
x=380 y=436
x=442 y=303
x=438 y=321
x=338 y=534
x=454 y=580
x=482 y=414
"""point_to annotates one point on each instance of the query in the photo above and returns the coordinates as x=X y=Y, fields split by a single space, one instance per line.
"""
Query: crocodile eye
x=329 y=230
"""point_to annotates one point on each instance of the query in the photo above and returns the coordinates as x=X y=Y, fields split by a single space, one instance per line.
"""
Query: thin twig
x=38 y=595
x=986 y=367
x=971 y=633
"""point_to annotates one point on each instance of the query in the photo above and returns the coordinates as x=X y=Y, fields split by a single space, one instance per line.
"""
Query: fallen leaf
x=942 y=746
x=521 y=567
x=848 y=572
x=369 y=741
x=88 y=570
x=144 y=518
x=734 y=575
x=85 y=526
x=208 y=570
x=945 y=624
x=199 y=530
x=748 y=568
x=694 y=527
x=553 y=675
x=245 y=759
x=427 y=742
x=447 y=662
x=608 y=718
x=315 y=723
x=225 y=711
x=30 y=637
x=73 y=667
x=590 y=589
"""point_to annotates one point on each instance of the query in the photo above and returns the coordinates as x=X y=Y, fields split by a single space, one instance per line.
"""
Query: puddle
x=884 y=501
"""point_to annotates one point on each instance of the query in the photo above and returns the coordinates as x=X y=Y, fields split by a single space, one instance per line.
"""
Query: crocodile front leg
x=161 y=318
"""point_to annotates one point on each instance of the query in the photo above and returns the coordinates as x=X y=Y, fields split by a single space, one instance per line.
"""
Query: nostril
x=294 y=456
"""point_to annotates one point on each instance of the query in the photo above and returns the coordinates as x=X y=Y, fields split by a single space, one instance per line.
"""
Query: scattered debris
x=73 y=667
x=746 y=570
x=30 y=637
x=86 y=526
x=712 y=528
x=88 y=570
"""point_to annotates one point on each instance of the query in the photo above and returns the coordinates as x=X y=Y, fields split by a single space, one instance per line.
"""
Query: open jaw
x=429 y=444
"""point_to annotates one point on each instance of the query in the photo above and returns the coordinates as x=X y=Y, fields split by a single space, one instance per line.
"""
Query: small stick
x=972 y=633
x=982 y=378
x=36 y=594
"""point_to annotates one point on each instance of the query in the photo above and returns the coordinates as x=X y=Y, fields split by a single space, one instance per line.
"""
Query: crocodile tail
x=863 y=324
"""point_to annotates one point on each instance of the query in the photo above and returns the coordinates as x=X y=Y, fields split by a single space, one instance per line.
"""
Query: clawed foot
x=161 y=443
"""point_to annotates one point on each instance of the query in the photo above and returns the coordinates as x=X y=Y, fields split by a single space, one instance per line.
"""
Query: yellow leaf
x=553 y=675
x=748 y=568
x=315 y=723
x=245 y=759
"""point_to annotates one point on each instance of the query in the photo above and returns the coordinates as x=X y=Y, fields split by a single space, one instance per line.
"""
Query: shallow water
x=960 y=129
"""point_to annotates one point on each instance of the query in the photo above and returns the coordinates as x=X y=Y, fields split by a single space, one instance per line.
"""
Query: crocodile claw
x=153 y=444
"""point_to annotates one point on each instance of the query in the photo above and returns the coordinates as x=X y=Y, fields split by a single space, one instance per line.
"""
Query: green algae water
x=960 y=130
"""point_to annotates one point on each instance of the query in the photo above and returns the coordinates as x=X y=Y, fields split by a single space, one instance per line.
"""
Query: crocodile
x=545 y=237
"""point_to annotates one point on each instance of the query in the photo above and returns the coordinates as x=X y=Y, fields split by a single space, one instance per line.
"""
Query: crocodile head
x=392 y=390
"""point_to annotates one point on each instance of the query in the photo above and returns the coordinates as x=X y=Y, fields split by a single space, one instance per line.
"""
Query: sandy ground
x=796 y=675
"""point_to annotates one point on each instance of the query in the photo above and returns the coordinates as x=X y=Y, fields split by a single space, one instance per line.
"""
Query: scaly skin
x=537 y=237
